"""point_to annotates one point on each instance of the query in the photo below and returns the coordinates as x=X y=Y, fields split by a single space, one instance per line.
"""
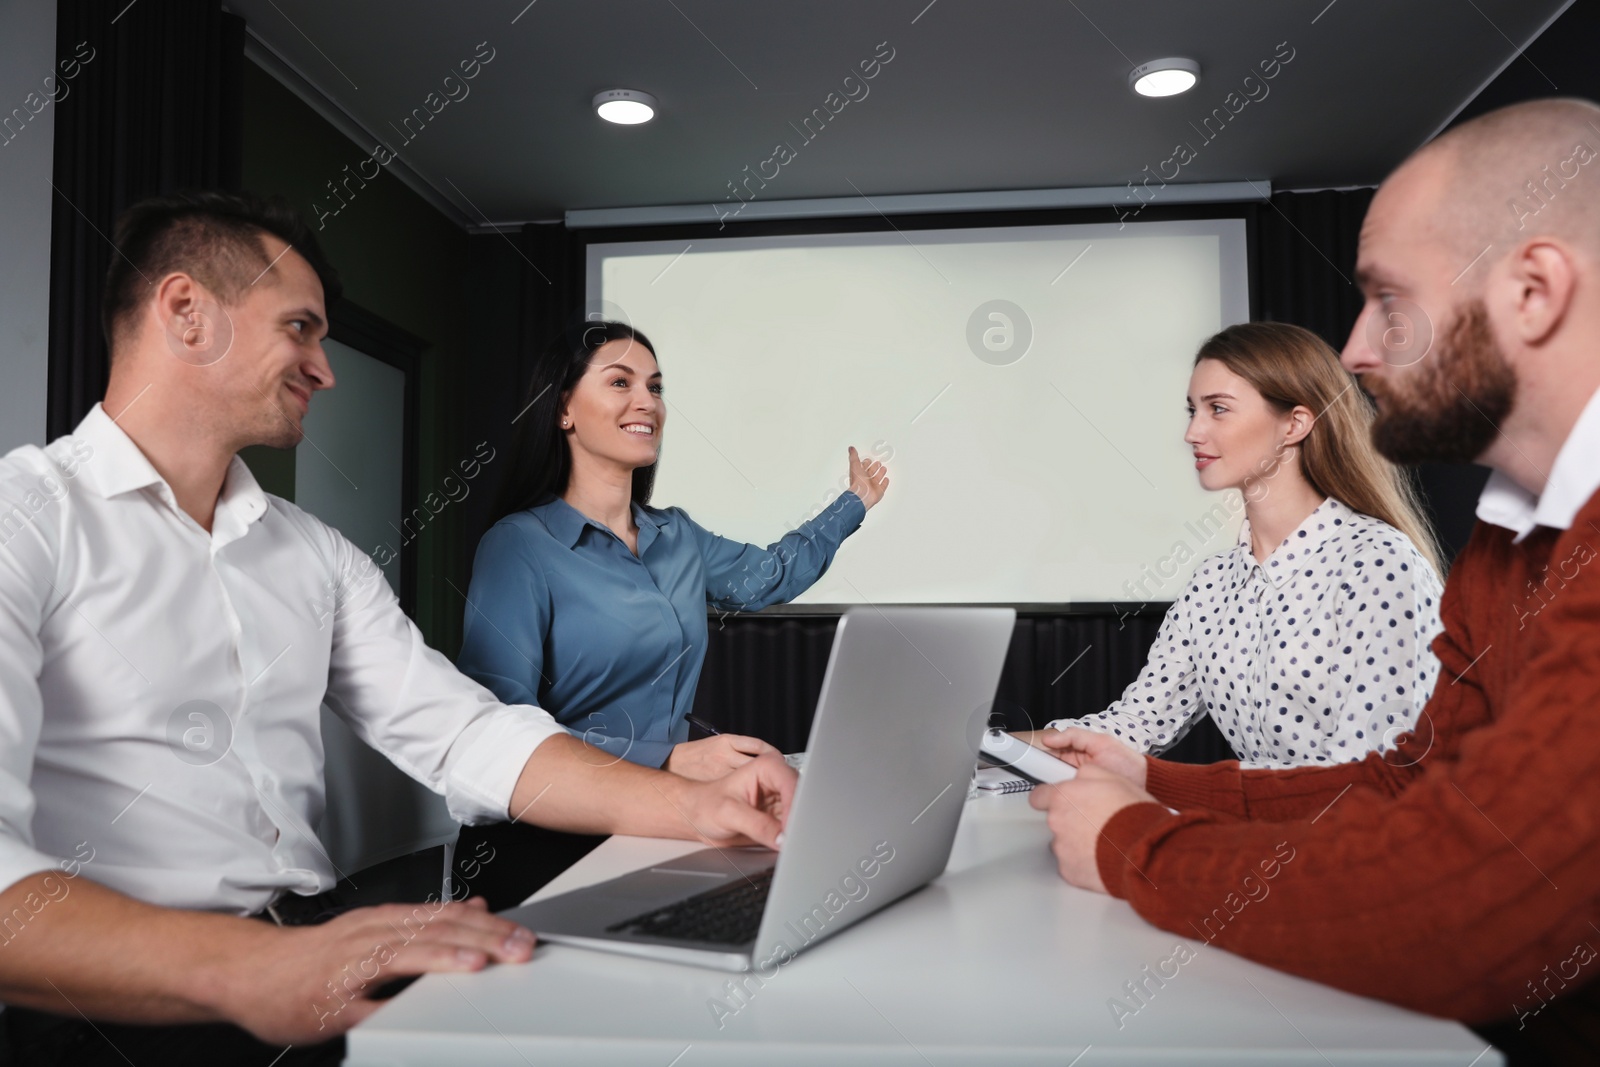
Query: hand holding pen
x=713 y=756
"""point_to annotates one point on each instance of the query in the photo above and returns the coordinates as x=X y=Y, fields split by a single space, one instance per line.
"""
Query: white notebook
x=996 y=780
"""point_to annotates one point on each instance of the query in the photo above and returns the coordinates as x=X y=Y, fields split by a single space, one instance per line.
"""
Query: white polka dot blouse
x=1319 y=655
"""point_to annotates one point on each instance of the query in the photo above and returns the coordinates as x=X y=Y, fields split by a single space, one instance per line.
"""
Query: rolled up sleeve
x=410 y=703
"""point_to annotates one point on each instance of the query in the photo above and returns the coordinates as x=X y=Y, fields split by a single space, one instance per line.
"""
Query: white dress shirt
x=160 y=685
x=1318 y=655
x=1574 y=478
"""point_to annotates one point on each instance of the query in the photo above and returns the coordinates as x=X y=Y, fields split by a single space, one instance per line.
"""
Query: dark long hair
x=541 y=461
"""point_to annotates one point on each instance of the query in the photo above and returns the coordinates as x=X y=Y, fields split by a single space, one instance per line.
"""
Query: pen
x=695 y=720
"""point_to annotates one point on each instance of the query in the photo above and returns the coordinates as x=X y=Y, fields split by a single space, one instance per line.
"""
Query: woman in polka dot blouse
x=1308 y=642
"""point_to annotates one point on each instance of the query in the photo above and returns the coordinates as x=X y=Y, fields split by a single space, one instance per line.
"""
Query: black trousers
x=38 y=1039
x=506 y=862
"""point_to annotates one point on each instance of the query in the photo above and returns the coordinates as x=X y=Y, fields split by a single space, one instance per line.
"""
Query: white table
x=996 y=962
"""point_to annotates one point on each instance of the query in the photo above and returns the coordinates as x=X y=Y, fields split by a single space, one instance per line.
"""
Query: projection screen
x=1025 y=385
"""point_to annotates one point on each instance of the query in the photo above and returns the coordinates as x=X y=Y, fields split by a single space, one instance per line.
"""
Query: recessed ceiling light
x=1164 y=77
x=626 y=107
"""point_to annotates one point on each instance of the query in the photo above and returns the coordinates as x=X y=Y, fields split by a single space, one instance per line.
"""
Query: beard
x=1451 y=408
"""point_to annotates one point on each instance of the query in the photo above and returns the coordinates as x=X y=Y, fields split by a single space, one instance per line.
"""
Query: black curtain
x=157 y=109
x=763 y=674
x=547 y=258
x=1305 y=253
x=551 y=279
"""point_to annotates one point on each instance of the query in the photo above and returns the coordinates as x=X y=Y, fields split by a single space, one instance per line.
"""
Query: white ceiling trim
x=1117 y=197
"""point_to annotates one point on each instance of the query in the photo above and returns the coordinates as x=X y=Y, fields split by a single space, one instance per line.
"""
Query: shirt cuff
x=496 y=748
x=1119 y=838
x=1088 y=722
x=841 y=519
x=1190 y=785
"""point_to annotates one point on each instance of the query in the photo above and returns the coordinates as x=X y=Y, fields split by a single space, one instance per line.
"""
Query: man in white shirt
x=167 y=634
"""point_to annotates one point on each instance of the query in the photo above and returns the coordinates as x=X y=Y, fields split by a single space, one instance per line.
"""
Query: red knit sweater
x=1464 y=883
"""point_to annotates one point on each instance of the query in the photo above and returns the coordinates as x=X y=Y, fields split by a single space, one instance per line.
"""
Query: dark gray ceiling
x=998 y=94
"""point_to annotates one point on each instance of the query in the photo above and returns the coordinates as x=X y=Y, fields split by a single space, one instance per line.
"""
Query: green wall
x=402 y=260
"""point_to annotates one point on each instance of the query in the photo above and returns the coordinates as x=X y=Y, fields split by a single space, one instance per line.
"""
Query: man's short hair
x=212 y=236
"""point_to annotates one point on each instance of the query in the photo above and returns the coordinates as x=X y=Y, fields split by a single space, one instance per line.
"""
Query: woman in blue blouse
x=590 y=603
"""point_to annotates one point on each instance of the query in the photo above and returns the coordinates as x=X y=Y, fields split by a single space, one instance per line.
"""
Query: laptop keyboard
x=727 y=915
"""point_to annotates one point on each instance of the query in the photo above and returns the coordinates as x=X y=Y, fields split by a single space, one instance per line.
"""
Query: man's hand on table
x=1077 y=811
x=304 y=984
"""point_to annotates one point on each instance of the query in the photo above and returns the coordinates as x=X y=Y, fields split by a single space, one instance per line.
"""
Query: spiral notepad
x=998 y=781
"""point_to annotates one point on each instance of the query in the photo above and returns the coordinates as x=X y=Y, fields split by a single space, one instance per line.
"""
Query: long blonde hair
x=1290 y=366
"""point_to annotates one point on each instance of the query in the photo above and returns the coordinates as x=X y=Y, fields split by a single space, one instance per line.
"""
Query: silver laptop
x=904 y=701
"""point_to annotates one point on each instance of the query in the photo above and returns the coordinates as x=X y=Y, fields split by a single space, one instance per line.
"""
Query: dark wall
x=1559 y=63
x=404 y=261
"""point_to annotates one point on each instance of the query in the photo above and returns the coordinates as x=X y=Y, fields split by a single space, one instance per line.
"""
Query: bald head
x=1528 y=170
x=1479 y=264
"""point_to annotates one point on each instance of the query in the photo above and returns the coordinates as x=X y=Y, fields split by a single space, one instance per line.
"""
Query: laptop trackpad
x=658 y=887
x=699 y=867
x=598 y=906
x=683 y=877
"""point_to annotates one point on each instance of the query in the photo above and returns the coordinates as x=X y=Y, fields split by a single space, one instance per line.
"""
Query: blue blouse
x=561 y=614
